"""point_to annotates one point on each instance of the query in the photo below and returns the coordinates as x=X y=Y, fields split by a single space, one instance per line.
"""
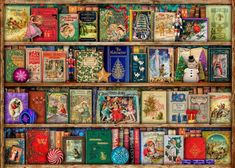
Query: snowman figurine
x=191 y=74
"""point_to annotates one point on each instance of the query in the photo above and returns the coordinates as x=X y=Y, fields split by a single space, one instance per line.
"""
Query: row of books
x=95 y=146
x=119 y=106
x=118 y=23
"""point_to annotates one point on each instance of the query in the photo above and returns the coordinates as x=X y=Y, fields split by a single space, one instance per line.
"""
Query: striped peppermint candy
x=55 y=156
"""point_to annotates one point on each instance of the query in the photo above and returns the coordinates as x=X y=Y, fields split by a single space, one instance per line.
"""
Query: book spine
x=137 y=145
x=126 y=139
x=192 y=11
x=115 y=138
x=202 y=12
x=58 y=139
x=121 y=137
x=132 y=150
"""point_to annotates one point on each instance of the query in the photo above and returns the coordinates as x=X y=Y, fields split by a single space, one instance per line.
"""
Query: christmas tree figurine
x=118 y=70
x=181 y=66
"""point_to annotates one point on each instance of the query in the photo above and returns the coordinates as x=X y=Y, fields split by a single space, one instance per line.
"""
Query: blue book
x=210 y=161
x=186 y=162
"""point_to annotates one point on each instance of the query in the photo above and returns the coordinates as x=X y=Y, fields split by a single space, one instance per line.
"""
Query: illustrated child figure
x=33 y=29
x=131 y=110
x=172 y=150
x=105 y=112
x=149 y=149
x=217 y=67
x=162 y=70
x=15 y=106
x=62 y=109
x=85 y=114
x=116 y=113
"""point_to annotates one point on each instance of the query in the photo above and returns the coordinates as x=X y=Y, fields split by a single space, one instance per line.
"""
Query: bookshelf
x=66 y=84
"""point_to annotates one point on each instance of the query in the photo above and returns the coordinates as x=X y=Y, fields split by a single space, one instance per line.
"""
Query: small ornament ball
x=20 y=75
x=120 y=155
x=55 y=156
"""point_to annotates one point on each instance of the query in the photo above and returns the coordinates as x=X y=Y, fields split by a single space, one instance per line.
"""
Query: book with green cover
x=98 y=146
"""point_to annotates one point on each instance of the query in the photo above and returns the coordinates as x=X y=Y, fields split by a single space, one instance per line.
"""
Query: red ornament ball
x=20 y=75
x=55 y=156
x=196 y=29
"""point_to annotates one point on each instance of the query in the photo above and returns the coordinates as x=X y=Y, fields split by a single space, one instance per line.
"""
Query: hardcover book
x=16 y=22
x=15 y=103
x=154 y=106
x=218 y=145
x=132 y=149
x=137 y=145
x=117 y=106
x=194 y=148
x=139 y=68
x=15 y=58
x=98 y=146
x=115 y=138
x=152 y=147
x=80 y=106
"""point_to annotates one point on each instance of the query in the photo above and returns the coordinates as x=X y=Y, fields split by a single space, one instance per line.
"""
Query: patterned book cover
x=34 y=64
x=194 y=148
x=154 y=106
x=121 y=137
x=37 y=102
x=141 y=25
x=49 y=26
x=14 y=151
x=220 y=22
x=68 y=27
x=139 y=68
x=132 y=149
x=80 y=106
x=115 y=138
x=15 y=103
x=218 y=145
x=114 y=23
x=54 y=66
x=98 y=146
x=152 y=147
x=115 y=106
x=15 y=58
x=126 y=138
x=220 y=108
x=16 y=22
x=37 y=146
x=137 y=145
x=118 y=62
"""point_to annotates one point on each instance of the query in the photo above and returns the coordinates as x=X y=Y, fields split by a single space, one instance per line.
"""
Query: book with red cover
x=195 y=148
x=126 y=139
x=49 y=26
x=37 y=146
x=137 y=145
x=37 y=102
x=115 y=138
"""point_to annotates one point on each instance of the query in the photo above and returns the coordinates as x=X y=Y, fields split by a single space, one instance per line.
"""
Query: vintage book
x=220 y=22
x=57 y=107
x=121 y=137
x=15 y=58
x=152 y=147
x=126 y=138
x=132 y=149
x=202 y=11
x=194 y=148
x=139 y=68
x=80 y=106
x=115 y=138
x=14 y=151
x=115 y=106
x=141 y=25
x=161 y=64
x=72 y=9
x=56 y=138
x=16 y=22
x=184 y=12
x=68 y=27
x=177 y=106
x=200 y=103
x=192 y=11
x=114 y=23
x=54 y=66
x=118 y=62
x=218 y=145
x=137 y=145
x=49 y=26
x=34 y=64
x=98 y=146
x=163 y=26
x=154 y=107
x=220 y=108
x=15 y=103
x=173 y=149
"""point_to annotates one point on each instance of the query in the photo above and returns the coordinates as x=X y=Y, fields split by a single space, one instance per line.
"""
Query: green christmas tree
x=181 y=66
x=149 y=105
x=201 y=72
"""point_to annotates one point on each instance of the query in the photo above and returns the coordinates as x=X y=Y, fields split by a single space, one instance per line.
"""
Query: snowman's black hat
x=191 y=58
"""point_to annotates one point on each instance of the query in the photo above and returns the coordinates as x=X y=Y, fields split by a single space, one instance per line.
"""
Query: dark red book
x=195 y=148
x=37 y=102
x=37 y=146
x=126 y=139
x=49 y=26
x=137 y=145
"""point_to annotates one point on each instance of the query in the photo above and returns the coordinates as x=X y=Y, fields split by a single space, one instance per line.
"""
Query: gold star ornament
x=103 y=75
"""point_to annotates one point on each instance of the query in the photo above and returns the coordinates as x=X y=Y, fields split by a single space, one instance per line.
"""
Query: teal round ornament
x=120 y=155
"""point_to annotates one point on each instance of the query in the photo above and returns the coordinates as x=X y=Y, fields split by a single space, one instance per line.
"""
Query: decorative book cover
x=98 y=146
x=57 y=108
x=177 y=106
x=154 y=106
x=163 y=26
x=37 y=102
x=37 y=146
x=15 y=103
x=54 y=66
x=141 y=25
x=161 y=64
x=80 y=106
x=139 y=71
x=137 y=145
x=152 y=147
x=14 y=151
x=200 y=103
x=68 y=27
x=115 y=138
x=220 y=22
x=49 y=26
x=118 y=62
x=34 y=64
x=115 y=106
x=218 y=145
x=114 y=23
x=194 y=148
x=173 y=149
x=15 y=58
x=220 y=108
x=89 y=63
x=126 y=138
x=16 y=22
x=132 y=149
